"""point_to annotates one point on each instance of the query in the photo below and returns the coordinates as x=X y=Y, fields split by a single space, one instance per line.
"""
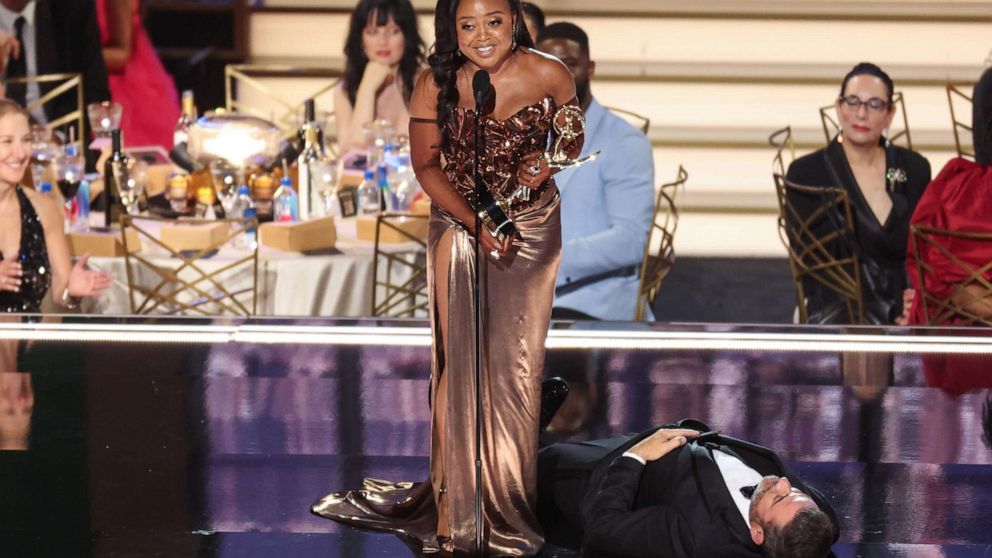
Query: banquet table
x=333 y=283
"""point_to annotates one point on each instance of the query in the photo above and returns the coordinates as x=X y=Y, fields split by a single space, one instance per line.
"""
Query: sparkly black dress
x=33 y=254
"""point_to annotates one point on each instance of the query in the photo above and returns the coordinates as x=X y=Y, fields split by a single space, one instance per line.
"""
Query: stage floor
x=214 y=440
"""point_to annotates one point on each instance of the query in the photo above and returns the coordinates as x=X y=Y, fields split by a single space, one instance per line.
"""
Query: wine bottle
x=305 y=183
x=186 y=119
x=114 y=171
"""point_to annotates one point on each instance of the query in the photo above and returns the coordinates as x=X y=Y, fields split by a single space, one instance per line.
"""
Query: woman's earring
x=885 y=134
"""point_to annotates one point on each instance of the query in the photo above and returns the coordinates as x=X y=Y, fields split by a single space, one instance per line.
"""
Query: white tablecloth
x=289 y=283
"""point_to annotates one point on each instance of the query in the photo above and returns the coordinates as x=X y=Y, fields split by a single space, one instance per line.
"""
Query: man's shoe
x=553 y=394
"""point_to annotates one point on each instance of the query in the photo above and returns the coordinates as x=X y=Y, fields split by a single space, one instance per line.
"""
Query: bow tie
x=748 y=491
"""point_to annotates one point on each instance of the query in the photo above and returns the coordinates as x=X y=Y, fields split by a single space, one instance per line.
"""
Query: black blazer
x=678 y=506
x=68 y=40
x=880 y=246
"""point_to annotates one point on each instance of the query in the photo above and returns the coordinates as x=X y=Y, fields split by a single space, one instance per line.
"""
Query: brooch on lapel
x=895 y=176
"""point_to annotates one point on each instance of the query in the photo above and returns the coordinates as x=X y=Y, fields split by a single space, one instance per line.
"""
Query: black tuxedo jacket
x=678 y=506
x=68 y=40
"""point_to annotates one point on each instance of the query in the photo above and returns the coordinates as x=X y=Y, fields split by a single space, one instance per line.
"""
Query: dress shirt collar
x=7 y=17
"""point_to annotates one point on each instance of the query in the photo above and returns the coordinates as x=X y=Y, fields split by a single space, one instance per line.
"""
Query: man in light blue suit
x=606 y=205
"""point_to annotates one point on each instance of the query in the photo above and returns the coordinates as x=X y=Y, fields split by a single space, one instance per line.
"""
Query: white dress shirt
x=28 y=50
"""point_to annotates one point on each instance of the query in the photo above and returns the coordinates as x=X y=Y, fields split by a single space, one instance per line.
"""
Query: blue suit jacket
x=606 y=210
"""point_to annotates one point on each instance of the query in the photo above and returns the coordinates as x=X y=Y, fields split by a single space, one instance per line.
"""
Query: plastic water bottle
x=385 y=193
x=285 y=206
x=369 y=202
x=403 y=183
x=244 y=207
x=83 y=205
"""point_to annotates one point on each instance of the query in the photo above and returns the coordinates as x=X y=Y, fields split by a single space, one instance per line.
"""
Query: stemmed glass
x=43 y=150
x=133 y=185
x=226 y=178
x=104 y=117
x=69 y=169
x=325 y=174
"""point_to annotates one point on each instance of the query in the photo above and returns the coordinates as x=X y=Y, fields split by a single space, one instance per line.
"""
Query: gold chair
x=962 y=128
x=636 y=120
x=970 y=300
x=242 y=81
x=811 y=256
x=180 y=282
x=783 y=143
x=902 y=137
x=62 y=84
x=402 y=278
x=658 y=262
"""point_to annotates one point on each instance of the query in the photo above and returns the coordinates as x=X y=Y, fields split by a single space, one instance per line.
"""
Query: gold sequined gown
x=517 y=293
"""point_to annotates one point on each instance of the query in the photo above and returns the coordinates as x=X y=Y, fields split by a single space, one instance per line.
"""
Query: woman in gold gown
x=517 y=284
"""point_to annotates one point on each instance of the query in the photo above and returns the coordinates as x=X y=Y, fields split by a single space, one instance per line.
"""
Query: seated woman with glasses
x=959 y=200
x=884 y=183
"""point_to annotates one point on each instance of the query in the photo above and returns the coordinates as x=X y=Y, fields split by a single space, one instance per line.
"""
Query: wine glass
x=104 y=117
x=43 y=150
x=69 y=169
x=226 y=178
x=133 y=185
x=325 y=192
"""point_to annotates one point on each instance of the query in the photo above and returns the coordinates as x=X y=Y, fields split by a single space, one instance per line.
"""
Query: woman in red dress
x=138 y=81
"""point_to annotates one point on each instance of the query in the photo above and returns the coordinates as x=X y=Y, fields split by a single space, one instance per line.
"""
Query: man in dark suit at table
x=56 y=36
x=680 y=491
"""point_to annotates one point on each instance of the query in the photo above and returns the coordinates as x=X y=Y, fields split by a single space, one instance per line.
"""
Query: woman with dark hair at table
x=517 y=277
x=959 y=199
x=383 y=55
x=884 y=183
x=34 y=252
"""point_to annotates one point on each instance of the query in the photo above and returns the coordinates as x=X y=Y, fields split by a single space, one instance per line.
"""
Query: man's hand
x=664 y=440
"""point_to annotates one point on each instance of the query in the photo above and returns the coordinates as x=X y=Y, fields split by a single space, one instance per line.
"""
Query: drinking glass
x=133 y=185
x=226 y=178
x=44 y=149
x=104 y=117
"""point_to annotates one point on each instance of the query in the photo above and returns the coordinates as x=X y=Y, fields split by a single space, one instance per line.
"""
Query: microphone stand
x=476 y=301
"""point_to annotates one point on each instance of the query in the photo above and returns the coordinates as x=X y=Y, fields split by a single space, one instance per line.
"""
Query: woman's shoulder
x=551 y=72
x=807 y=167
x=44 y=206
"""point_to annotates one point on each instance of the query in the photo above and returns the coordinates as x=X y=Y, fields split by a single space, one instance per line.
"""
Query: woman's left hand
x=908 y=295
x=85 y=282
x=533 y=171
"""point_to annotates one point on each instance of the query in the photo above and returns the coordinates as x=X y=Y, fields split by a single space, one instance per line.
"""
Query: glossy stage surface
x=172 y=438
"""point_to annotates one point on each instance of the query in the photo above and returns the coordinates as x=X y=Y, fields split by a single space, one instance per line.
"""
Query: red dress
x=959 y=199
x=143 y=87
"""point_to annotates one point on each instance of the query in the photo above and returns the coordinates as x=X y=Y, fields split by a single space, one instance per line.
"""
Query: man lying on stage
x=679 y=491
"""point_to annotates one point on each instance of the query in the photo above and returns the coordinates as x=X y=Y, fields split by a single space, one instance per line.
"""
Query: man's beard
x=583 y=92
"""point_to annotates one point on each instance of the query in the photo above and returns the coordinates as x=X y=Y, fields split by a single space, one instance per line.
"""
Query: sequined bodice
x=506 y=142
x=37 y=277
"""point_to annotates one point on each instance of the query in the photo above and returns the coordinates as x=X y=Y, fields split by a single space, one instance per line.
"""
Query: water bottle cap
x=285 y=181
x=243 y=190
x=45 y=187
x=369 y=174
x=71 y=150
x=388 y=147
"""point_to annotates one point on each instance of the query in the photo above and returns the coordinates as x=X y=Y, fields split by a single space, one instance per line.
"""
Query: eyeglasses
x=874 y=104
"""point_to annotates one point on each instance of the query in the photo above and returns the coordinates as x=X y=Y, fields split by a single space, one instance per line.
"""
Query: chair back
x=399 y=276
x=898 y=137
x=959 y=101
x=62 y=85
x=813 y=239
x=785 y=150
x=969 y=301
x=278 y=92
x=163 y=280
x=643 y=123
x=659 y=252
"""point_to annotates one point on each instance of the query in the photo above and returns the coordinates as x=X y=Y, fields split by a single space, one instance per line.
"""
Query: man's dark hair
x=808 y=535
x=534 y=12
x=568 y=31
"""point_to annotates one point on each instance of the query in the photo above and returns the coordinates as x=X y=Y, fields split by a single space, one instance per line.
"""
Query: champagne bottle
x=186 y=119
x=306 y=183
x=114 y=170
x=310 y=121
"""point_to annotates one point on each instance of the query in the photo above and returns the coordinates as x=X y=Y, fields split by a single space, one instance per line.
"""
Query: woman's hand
x=533 y=171
x=10 y=49
x=376 y=76
x=663 y=441
x=490 y=244
x=10 y=274
x=86 y=282
x=908 y=295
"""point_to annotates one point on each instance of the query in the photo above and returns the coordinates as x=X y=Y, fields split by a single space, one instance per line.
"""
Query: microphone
x=481 y=87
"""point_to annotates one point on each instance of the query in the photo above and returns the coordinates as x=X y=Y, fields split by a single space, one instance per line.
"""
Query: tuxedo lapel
x=718 y=498
x=46 y=47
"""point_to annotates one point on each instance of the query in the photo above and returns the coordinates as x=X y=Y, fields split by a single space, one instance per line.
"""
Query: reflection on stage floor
x=218 y=449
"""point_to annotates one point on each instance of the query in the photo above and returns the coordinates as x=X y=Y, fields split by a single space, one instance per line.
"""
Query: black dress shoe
x=553 y=393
